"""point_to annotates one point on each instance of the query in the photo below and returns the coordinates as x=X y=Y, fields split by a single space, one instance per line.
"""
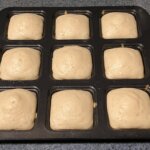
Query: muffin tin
x=98 y=85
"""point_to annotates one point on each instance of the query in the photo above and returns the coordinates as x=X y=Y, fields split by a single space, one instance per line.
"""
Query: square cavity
x=118 y=25
x=72 y=26
x=72 y=62
x=128 y=108
x=20 y=63
x=25 y=26
x=68 y=110
x=17 y=109
x=123 y=63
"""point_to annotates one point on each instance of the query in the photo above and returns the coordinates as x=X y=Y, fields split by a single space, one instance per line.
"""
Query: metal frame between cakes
x=99 y=85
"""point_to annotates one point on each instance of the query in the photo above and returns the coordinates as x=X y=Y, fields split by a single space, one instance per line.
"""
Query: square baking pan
x=98 y=85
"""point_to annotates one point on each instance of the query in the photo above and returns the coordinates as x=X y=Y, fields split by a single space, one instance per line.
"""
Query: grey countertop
x=68 y=146
x=61 y=3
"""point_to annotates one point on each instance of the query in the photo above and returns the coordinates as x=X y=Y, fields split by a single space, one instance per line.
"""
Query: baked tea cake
x=128 y=108
x=118 y=25
x=25 y=26
x=71 y=109
x=72 y=26
x=72 y=62
x=123 y=63
x=17 y=109
x=21 y=63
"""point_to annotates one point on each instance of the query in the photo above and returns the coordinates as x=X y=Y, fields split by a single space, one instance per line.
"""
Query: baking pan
x=98 y=85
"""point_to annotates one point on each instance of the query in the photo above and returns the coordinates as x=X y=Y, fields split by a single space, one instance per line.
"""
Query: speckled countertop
x=71 y=146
